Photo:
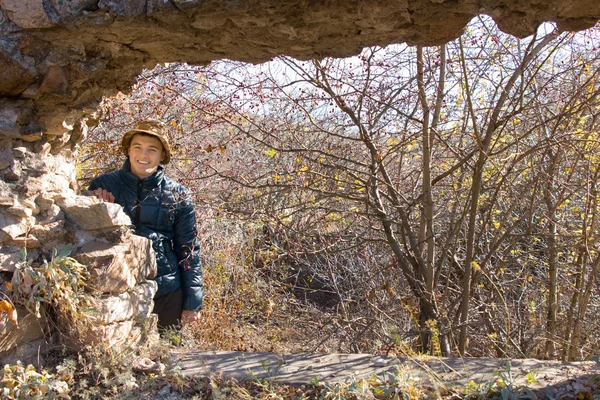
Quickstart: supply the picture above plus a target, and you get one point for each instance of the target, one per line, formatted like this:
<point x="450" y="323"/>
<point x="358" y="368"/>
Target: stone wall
<point x="121" y="266"/>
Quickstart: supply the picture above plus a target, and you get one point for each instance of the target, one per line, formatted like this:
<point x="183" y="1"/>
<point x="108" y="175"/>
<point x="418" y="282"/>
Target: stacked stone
<point x="121" y="266"/>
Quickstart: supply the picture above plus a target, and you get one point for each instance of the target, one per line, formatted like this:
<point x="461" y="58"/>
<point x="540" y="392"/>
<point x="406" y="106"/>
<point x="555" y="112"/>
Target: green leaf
<point x="65" y="252"/>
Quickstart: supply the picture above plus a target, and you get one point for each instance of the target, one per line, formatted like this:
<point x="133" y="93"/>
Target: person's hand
<point x="104" y="195"/>
<point x="188" y="316"/>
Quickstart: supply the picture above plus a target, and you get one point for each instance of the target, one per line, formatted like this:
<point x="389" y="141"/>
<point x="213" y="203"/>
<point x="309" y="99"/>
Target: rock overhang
<point x="59" y="58"/>
<point x="65" y="55"/>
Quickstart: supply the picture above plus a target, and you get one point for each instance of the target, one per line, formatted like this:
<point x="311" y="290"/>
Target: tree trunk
<point x="550" y="350"/>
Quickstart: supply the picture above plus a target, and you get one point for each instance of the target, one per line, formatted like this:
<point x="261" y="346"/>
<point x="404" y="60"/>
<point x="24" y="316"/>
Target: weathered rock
<point x="6" y="201"/>
<point x="55" y="81"/>
<point x="28" y="330"/>
<point x="108" y="271"/>
<point x="14" y="77"/>
<point x="118" y="268"/>
<point x="19" y="152"/>
<point x="141" y="251"/>
<point x="132" y="305"/>
<point x="26" y="14"/>
<point x="27" y="352"/>
<point x="31" y="137"/>
<point x="117" y="335"/>
<point x="13" y="173"/>
<point x="91" y="214"/>
<point x="6" y="157"/>
<point x="13" y="226"/>
<point x="48" y="232"/>
<point x="144" y="293"/>
<point x="35" y="210"/>
<point x="34" y="163"/>
<point x="115" y="308"/>
<point x="44" y="202"/>
<point x="53" y="214"/>
<point x="110" y="335"/>
<point x="9" y="259"/>
<point x="27" y="242"/>
<point x="20" y="211"/>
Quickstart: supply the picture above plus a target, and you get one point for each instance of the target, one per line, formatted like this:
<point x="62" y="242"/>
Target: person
<point x="161" y="210"/>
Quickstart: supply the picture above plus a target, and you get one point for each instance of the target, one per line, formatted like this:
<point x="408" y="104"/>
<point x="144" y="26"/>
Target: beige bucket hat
<point x="150" y="127"/>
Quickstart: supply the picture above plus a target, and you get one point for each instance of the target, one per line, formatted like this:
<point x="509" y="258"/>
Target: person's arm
<point x="187" y="249"/>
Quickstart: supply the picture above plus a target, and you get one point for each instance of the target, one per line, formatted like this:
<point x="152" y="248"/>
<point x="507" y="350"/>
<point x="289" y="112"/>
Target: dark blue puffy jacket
<point x="161" y="210"/>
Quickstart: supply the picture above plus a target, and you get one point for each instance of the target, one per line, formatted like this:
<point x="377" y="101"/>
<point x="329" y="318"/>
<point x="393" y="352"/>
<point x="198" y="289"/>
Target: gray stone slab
<point x="305" y="368"/>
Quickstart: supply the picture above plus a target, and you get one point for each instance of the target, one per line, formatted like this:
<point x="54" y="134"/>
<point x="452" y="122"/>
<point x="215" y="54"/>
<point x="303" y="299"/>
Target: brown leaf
<point x="7" y="307"/>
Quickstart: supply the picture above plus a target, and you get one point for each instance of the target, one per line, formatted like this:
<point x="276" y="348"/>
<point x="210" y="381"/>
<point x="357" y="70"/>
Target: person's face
<point x="145" y="153"/>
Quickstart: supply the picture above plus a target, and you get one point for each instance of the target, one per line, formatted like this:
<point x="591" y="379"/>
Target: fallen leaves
<point x="6" y="307"/>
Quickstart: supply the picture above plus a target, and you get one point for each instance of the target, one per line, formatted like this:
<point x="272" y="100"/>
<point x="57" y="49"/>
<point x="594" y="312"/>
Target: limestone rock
<point x="91" y="214"/>
<point x="118" y="268"/>
<point x="19" y="152"/>
<point x="34" y="163"/>
<point x="9" y="126"/>
<point x="28" y="14"/>
<point x="141" y="251"/>
<point x="13" y="173"/>
<point x="125" y="306"/>
<point x="53" y="214"/>
<point x="9" y="259"/>
<point x="26" y="242"/>
<point x="28" y="330"/>
<point x="50" y="231"/>
<point x="44" y="202"/>
<point x="110" y="335"/>
<point x="115" y="308"/>
<point x="31" y="137"/>
<point x="7" y="201"/>
<point x="20" y="211"/>
<point x="118" y="334"/>
<point x="55" y="81"/>
<point x="35" y="210"/>
<point x="30" y="352"/>
<point x="109" y="273"/>
<point x="14" y="227"/>
<point x="14" y="77"/>
<point x="145" y="292"/>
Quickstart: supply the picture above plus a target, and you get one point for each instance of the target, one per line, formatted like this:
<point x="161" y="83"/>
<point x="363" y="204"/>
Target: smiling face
<point x="145" y="153"/>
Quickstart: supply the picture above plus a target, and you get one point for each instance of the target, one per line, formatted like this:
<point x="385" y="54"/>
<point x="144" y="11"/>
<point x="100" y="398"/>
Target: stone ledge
<point x="303" y="368"/>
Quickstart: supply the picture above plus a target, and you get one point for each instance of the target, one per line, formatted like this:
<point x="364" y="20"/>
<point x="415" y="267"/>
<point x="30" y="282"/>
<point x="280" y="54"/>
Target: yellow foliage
<point x="271" y="152"/>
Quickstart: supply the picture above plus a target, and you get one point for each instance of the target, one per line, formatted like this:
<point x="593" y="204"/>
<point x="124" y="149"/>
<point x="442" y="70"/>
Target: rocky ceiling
<point x="59" y="57"/>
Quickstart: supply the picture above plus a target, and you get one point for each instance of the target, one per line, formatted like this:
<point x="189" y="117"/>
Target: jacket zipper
<point x="139" y="206"/>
